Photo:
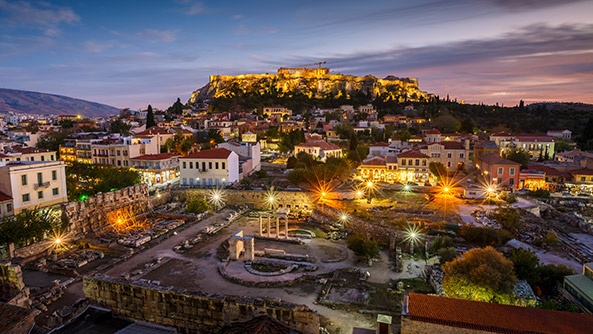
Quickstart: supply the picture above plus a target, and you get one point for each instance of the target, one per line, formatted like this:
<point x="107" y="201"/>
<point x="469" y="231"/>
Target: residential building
<point x="318" y="148"/>
<point x="6" y="206"/>
<point x="249" y="156"/>
<point x="34" y="183"/>
<point x="433" y="136"/>
<point x="68" y="152"/>
<point x="484" y="148"/>
<point x="160" y="134"/>
<point x="453" y="155"/>
<point x="277" y="113"/>
<point x="157" y="169"/>
<point x="582" y="175"/>
<point x="217" y="167"/>
<point x="562" y="134"/>
<point x="579" y="288"/>
<point x="500" y="171"/>
<point x="532" y="179"/>
<point x="19" y="153"/>
<point x="413" y="166"/>
<point x="574" y="157"/>
<point x="380" y="148"/>
<point x="538" y="146"/>
<point x="118" y="151"/>
<point x="434" y="314"/>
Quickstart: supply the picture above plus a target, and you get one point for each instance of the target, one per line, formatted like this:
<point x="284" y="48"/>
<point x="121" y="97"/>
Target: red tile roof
<point x="496" y="159"/>
<point x="28" y="150"/>
<point x="534" y="138"/>
<point x="154" y="130"/>
<point x="380" y="144"/>
<point x="217" y="153"/>
<point x="547" y="169"/>
<point x="322" y="144"/>
<point x="376" y="160"/>
<point x="4" y="197"/>
<point x="160" y="156"/>
<point x="433" y="132"/>
<point x="582" y="171"/>
<point x="496" y="318"/>
<point x="412" y="154"/>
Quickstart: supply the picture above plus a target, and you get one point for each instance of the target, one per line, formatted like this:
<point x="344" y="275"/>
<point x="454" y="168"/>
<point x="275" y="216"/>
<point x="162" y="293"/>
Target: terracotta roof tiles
<point x="217" y="153"/>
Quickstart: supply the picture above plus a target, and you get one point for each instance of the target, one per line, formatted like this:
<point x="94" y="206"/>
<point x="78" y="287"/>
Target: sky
<point x="134" y="53"/>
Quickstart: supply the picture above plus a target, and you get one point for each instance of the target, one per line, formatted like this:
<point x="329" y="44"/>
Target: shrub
<point x="508" y="217"/>
<point x="540" y="193"/>
<point x="507" y="197"/>
<point x="484" y="235"/>
<point x="447" y="254"/>
<point x="197" y="206"/>
<point x="362" y="247"/>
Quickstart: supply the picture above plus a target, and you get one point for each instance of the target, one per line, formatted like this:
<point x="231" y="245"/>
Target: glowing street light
<point x="216" y="198"/>
<point x="407" y="187"/>
<point x="413" y="235"/>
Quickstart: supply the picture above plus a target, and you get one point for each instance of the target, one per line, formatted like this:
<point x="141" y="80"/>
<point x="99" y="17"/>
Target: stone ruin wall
<point x="191" y="312"/>
<point x="296" y="201"/>
<point x="90" y="215"/>
<point x="12" y="288"/>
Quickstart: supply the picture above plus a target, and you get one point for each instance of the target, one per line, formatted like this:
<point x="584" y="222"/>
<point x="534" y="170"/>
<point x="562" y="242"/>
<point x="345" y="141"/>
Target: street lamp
<point x="407" y="187"/>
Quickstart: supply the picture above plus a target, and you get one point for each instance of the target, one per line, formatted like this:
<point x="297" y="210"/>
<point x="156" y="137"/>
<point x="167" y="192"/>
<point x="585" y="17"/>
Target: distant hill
<point x="40" y="103"/>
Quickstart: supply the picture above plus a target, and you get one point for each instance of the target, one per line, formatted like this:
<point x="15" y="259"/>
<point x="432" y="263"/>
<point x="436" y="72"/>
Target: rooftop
<point x="582" y="282"/>
<point x="217" y="153"/>
<point x="496" y="318"/>
<point x="160" y="156"/>
<point x="496" y="159"/>
<point x="4" y="197"/>
<point x="412" y="154"/>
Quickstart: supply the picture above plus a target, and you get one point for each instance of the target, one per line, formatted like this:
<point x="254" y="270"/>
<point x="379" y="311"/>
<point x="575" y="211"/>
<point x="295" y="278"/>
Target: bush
<point x="540" y="193"/>
<point x="551" y="239"/>
<point x="508" y="217"/>
<point x="447" y="254"/>
<point x="197" y="206"/>
<point x="362" y="247"/>
<point x="507" y="197"/>
<point x="441" y="242"/>
<point x="484" y="235"/>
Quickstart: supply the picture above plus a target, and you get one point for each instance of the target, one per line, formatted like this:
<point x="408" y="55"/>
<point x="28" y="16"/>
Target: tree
<point x="562" y="146"/>
<point x="446" y="122"/>
<point x="362" y="247"/>
<point x="509" y="218"/>
<point x="481" y="274"/>
<point x="118" y="126"/>
<point x="437" y="169"/>
<point x="150" y="117"/>
<point x="197" y="206"/>
<point x="526" y="265"/>
<point x="447" y="254"/>
<point x="520" y="156"/>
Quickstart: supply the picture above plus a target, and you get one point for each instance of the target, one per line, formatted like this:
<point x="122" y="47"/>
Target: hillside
<point x="310" y="85"/>
<point x="41" y="103"/>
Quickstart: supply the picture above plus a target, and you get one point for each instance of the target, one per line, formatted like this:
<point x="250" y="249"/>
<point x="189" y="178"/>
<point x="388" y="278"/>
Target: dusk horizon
<point x="480" y="52"/>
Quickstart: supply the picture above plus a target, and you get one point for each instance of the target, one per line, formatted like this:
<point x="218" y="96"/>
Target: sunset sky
<point x="133" y="53"/>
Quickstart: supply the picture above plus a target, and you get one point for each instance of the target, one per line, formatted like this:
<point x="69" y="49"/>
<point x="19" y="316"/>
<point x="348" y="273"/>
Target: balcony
<point x="41" y="185"/>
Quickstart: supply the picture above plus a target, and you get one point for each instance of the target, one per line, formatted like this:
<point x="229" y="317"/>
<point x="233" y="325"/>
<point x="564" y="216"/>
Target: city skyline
<point x="131" y="54"/>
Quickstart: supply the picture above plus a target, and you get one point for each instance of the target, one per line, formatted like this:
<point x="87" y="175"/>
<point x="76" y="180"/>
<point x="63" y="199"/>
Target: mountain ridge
<point x="38" y="103"/>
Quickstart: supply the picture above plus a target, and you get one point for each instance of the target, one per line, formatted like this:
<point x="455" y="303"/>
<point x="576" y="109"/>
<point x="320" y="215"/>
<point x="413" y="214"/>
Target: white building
<point x="319" y="148"/>
<point x="218" y="167"/>
<point x="564" y="134"/>
<point x="118" y="152"/>
<point x="249" y="156"/>
<point x="34" y="183"/>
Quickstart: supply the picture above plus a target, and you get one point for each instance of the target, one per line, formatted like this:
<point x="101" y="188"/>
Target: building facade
<point x="218" y="167"/>
<point x="157" y="169"/>
<point x="496" y="170"/>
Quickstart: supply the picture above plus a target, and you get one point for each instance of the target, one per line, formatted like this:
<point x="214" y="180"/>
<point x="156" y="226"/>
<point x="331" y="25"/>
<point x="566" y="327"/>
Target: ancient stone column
<point x="277" y="227"/>
<point x="249" y="249"/>
<point x="260" y="226"/>
<point x="286" y="227"/>
<point x="268" y="226"/>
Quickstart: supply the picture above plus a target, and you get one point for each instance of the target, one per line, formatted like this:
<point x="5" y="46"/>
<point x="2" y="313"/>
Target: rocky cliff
<point x="316" y="86"/>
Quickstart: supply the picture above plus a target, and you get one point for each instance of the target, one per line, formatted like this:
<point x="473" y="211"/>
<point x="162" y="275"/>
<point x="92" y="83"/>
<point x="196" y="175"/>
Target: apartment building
<point x="118" y="152"/>
<point x="157" y="169"/>
<point x="33" y="184"/>
<point x="218" y="167"/>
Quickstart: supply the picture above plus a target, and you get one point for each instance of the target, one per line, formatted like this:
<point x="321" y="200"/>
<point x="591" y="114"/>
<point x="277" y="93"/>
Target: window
<point x="24" y="180"/>
<point x="118" y="152"/>
<point x="500" y="180"/>
<point x="403" y="162"/>
<point x="500" y="169"/>
<point x="216" y="165"/>
<point x="119" y="162"/>
<point x="40" y="194"/>
<point x="43" y="158"/>
<point x="32" y="158"/>
<point x="39" y="178"/>
<point x="448" y="163"/>
<point x="423" y="162"/>
<point x="55" y="191"/>
<point x="512" y="171"/>
<point x="449" y="155"/>
<point x="583" y="179"/>
<point x="511" y="181"/>
<point x="223" y="165"/>
<point x="191" y="165"/>
<point x="9" y="207"/>
<point x="184" y="179"/>
<point x="54" y="175"/>
<point x="210" y="165"/>
<point x="51" y="157"/>
<point x="184" y="168"/>
<point x="203" y="166"/>
<point x="461" y="155"/>
<point x="26" y="198"/>
<point x="417" y="162"/>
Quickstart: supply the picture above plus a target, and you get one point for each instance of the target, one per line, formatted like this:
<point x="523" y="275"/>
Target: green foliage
<point x="540" y="193"/>
<point x="53" y="140"/>
<point x="150" y="117"/>
<point x="197" y="206"/>
<point x="440" y="242"/>
<point x="509" y="218"/>
<point x="507" y="197"/>
<point x="362" y="247"/>
<point x="215" y="135"/>
<point x="29" y="226"/>
<point x="359" y="154"/>
<point x="526" y="264"/>
<point x="309" y="170"/>
<point x="176" y="108"/>
<point x="87" y="180"/>
<point x="481" y="274"/>
<point x="447" y="254"/>
<point x="118" y="126"/>
<point x="544" y="278"/>
<point x="446" y="122"/>
<point x="520" y="156"/>
<point x="484" y="235"/>
<point x="562" y="146"/>
<point x="551" y="239"/>
<point x="437" y="169"/>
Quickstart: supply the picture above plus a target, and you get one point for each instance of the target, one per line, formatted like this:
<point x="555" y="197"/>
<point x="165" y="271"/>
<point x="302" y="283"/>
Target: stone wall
<point x="12" y="288"/>
<point x="90" y="215"/>
<point x="191" y="312"/>
<point x="296" y="201"/>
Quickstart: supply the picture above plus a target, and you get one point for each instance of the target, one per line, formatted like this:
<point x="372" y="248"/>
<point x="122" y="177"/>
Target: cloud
<point x="45" y="16"/>
<point x="95" y="46"/>
<point x="158" y="35"/>
<point x="237" y="16"/>
<point x="190" y="7"/>
<point x="541" y="61"/>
